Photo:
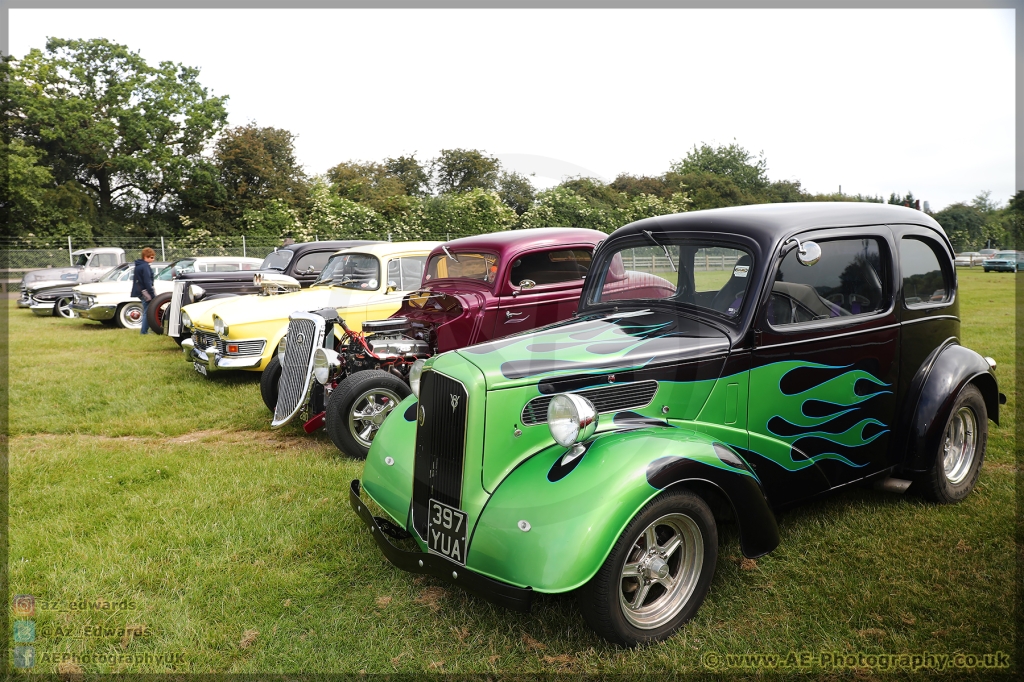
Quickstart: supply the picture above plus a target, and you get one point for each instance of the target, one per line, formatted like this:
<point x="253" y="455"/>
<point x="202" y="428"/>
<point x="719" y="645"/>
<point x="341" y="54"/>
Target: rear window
<point x="278" y="260"/>
<point x="924" y="279"/>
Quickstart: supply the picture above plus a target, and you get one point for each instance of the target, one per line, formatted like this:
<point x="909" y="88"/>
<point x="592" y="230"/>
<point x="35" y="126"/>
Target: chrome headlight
<point x="325" y="363"/>
<point x="219" y="326"/>
<point x="415" y="372"/>
<point x="196" y="292"/>
<point x="186" y="321"/>
<point x="571" y="418"/>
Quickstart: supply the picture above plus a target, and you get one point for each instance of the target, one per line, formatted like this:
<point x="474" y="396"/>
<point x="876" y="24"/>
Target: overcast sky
<point x="877" y="101"/>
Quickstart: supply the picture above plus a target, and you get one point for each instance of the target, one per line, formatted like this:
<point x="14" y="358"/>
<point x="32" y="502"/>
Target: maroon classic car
<point x="474" y="289"/>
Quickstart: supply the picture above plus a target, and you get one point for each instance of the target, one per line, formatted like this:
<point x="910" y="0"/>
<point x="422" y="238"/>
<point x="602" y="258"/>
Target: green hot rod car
<point x="722" y="365"/>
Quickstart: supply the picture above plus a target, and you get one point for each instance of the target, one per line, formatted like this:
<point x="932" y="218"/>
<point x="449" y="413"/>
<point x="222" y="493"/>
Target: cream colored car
<point x="362" y="283"/>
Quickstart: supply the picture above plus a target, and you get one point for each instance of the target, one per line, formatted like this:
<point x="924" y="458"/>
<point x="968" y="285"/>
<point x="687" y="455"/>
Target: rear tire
<point x="657" y="574"/>
<point x="129" y="315"/>
<point x="961" y="450"/>
<point x="62" y="308"/>
<point x="156" y="310"/>
<point x="359" y="405"/>
<point x="269" y="381"/>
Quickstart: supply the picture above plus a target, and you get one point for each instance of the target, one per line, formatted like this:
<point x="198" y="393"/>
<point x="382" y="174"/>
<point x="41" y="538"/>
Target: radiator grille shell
<point x="305" y="334"/>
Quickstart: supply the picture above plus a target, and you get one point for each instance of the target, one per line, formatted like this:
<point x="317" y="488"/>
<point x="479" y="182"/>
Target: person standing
<point x="142" y="283"/>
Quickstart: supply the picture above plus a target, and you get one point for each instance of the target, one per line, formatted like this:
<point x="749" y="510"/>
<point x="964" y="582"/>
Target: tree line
<point x="100" y="145"/>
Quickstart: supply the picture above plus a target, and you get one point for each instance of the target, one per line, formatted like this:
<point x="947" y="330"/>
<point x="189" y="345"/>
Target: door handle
<point x="509" y="314"/>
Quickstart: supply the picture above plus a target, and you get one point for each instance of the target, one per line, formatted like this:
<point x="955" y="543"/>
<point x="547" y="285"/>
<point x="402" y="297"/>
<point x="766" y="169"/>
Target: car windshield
<point x="351" y="271"/>
<point x="708" y="275"/>
<point x="178" y="268"/>
<point x="277" y="260"/>
<point x="479" y="266"/>
<point x="116" y="273"/>
<point x="1006" y="254"/>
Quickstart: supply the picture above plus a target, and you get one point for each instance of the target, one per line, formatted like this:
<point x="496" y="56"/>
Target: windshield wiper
<point x="448" y="253"/>
<point x="667" y="255"/>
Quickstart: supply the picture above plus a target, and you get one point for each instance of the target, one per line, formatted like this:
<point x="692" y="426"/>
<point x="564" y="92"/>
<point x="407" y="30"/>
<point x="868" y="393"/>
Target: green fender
<point x="577" y="511"/>
<point x="390" y="486"/>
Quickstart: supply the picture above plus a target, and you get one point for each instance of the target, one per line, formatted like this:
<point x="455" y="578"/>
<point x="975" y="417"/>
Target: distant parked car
<point x="968" y="259"/>
<point x="1003" y="261"/>
<point x="301" y="262"/>
<point x="89" y="266"/>
<point x="111" y="301"/>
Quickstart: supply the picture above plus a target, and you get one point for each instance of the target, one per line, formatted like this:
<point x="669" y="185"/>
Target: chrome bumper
<point x="95" y="312"/>
<point x="213" y="361"/>
<point x="42" y="309"/>
<point x="23" y="302"/>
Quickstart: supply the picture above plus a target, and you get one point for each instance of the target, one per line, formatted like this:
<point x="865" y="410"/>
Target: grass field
<point x="220" y="545"/>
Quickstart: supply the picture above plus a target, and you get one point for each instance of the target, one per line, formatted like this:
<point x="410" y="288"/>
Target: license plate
<point x="446" y="531"/>
<point x="200" y="368"/>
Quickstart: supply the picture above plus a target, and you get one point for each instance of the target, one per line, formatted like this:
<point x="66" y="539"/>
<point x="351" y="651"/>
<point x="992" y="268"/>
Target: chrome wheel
<point x="661" y="571"/>
<point x="369" y="411"/>
<point x="959" y="445"/>
<point x="64" y="308"/>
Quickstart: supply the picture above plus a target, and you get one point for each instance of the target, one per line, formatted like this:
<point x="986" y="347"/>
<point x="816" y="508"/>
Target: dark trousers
<point x="145" y="317"/>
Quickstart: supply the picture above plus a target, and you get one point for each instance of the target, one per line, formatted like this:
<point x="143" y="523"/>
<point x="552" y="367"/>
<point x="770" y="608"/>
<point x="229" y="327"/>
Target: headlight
<point x="571" y="418"/>
<point x="196" y="292"/>
<point x="325" y="363"/>
<point x="219" y="326"/>
<point x="415" y="372"/>
<point x="186" y="321"/>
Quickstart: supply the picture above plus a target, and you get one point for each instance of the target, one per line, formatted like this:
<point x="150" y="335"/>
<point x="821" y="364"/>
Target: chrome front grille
<point x="440" y="446"/>
<point x="204" y="340"/>
<point x="305" y="334"/>
<point x="174" y="318"/>
<point x="611" y="398"/>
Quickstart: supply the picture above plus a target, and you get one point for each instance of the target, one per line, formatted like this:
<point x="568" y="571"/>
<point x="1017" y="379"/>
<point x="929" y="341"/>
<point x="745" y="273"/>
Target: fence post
<point x="243" y="246"/>
<point x="71" y="259"/>
<point x="163" y="254"/>
<point x="389" y="236"/>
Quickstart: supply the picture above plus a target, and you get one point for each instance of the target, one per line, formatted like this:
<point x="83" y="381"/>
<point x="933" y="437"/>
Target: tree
<point x="125" y="131"/>
<point x="730" y="161"/>
<point x="257" y="165"/>
<point x="516" y="190"/>
<point x="463" y="170"/>
<point x="635" y="185"/>
<point x="410" y="173"/>
<point x="963" y="225"/>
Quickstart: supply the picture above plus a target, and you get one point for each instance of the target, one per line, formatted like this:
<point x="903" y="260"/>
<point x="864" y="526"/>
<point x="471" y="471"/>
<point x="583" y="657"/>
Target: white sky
<point x="874" y="100"/>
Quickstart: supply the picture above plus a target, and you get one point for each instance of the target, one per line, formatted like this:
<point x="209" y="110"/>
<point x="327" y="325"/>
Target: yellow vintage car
<point x="243" y="332"/>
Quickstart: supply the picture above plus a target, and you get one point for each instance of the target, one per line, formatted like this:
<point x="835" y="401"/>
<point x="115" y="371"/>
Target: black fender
<point x="936" y="386"/>
<point x="759" y="531"/>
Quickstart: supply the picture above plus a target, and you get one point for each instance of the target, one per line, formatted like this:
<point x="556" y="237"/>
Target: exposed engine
<point x="383" y="344"/>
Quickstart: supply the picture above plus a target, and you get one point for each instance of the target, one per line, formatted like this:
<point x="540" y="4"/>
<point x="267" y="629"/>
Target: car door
<point x="825" y="368"/>
<point x="541" y="286"/>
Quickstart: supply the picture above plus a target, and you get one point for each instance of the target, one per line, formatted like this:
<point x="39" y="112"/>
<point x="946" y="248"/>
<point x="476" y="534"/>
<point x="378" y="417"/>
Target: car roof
<point x="388" y="248"/>
<point x="772" y="222"/>
<point x="516" y="240"/>
<point x="222" y="259"/>
<point x="332" y="245"/>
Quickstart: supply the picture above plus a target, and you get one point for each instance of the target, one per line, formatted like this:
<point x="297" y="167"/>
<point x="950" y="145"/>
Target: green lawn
<point x="231" y="547"/>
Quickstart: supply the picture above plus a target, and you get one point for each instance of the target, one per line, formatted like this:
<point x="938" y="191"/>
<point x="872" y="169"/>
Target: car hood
<point x="47" y="274"/>
<point x="254" y="308"/>
<point x="595" y="344"/>
<point x="104" y="288"/>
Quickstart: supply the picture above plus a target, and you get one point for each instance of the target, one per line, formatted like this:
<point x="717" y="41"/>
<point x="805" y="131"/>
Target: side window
<point x="406" y="273"/>
<point x="311" y="263"/>
<point x="924" y="280"/>
<point x="550" y="267"/>
<point x="225" y="267"/>
<point x="104" y="260"/>
<point x="127" y="276"/>
<point x="848" y="280"/>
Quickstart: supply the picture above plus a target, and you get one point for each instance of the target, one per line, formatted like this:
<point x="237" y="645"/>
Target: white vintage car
<point x="110" y="301"/>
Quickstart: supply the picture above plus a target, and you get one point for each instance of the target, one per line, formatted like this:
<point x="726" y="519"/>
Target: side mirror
<point x="527" y="284"/>
<point x="808" y="253"/>
<point x="392" y="287"/>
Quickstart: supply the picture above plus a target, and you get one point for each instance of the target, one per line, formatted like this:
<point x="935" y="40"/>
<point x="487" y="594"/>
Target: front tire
<point x="156" y="311"/>
<point x="269" y="381"/>
<point x="657" y="574"/>
<point x="129" y="315"/>
<point x="62" y="308"/>
<point x="961" y="450"/>
<point x="358" y="406"/>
